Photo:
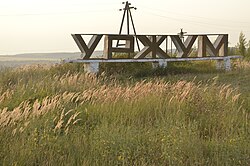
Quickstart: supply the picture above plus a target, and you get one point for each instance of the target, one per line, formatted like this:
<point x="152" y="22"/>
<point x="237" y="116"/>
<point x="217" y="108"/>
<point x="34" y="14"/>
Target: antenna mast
<point x="127" y="13"/>
<point x="181" y="34"/>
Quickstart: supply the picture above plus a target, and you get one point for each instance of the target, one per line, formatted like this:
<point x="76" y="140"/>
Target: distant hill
<point x="55" y="56"/>
<point x="40" y="58"/>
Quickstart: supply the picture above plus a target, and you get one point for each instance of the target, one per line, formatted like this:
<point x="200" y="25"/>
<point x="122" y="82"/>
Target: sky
<point x="30" y="26"/>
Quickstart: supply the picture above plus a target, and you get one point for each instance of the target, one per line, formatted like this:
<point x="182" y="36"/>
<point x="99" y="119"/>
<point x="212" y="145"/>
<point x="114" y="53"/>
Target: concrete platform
<point x="92" y="65"/>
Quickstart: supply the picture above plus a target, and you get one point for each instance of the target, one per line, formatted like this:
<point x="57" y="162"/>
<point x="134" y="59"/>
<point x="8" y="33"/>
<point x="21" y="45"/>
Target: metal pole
<point x="123" y="17"/>
<point x="120" y="32"/>
<point x="137" y="42"/>
<point x="127" y="8"/>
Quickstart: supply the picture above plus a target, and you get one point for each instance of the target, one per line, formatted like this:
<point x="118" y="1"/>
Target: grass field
<point x="187" y="114"/>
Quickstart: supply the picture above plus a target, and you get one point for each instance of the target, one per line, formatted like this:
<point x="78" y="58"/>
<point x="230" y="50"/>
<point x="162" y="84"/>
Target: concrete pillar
<point x="155" y="65"/>
<point x="161" y="64"/>
<point x="224" y="64"/>
<point x="91" y="67"/>
<point x="227" y="64"/>
<point x="219" y="64"/>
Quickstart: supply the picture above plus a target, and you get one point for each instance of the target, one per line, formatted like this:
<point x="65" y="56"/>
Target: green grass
<point x="187" y="114"/>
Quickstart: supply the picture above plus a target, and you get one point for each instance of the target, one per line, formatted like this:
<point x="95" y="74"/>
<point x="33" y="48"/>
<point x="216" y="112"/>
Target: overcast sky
<point x="28" y="26"/>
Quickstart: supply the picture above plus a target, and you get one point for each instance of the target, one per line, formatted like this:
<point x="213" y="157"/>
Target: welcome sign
<point x="152" y="45"/>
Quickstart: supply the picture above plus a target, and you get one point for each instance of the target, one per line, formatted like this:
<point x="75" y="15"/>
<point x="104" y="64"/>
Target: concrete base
<point x="219" y="64"/>
<point x="227" y="64"/>
<point x="224" y="64"/>
<point x="92" y="67"/>
<point x="161" y="64"/>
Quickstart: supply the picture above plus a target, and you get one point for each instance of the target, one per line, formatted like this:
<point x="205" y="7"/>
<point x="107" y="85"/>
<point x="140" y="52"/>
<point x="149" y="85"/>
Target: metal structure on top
<point x="127" y="13"/>
<point x="155" y="47"/>
<point x="181" y="34"/>
<point x="187" y="47"/>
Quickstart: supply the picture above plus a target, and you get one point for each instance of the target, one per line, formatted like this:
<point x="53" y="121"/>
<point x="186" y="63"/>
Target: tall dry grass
<point x="241" y="64"/>
<point x="50" y="117"/>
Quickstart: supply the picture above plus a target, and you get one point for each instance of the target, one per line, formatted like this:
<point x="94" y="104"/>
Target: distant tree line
<point x="242" y="47"/>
